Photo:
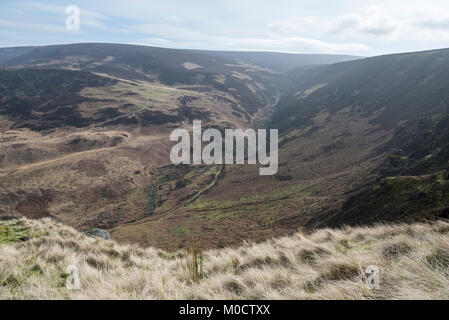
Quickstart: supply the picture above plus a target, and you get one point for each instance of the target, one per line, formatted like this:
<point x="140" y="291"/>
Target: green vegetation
<point x="258" y="199"/>
<point x="413" y="181"/>
<point x="420" y="146"/>
<point x="411" y="198"/>
<point x="221" y="78"/>
<point x="15" y="231"/>
<point x="158" y="93"/>
<point x="152" y="194"/>
<point x="349" y="116"/>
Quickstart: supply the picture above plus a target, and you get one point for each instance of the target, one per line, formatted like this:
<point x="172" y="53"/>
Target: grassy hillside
<point x="254" y="78"/>
<point x="46" y="99"/>
<point x="419" y="146"/>
<point x="84" y="135"/>
<point x="280" y="62"/>
<point x="43" y="99"/>
<point x="7" y="54"/>
<point x="328" y="264"/>
<point x="84" y="128"/>
<point x="388" y="89"/>
<point x="89" y="146"/>
<point x="253" y="87"/>
<point x="410" y="185"/>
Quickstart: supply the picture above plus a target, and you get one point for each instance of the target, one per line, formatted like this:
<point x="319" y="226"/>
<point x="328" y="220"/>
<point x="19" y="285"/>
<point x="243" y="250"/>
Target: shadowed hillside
<point x="281" y="62"/>
<point x="412" y="183"/>
<point x="389" y="89"/>
<point x="46" y="99"/>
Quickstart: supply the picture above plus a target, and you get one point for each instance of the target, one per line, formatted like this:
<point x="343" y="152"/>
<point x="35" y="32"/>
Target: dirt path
<point x="50" y="161"/>
<point x="74" y="155"/>
<point x="141" y="84"/>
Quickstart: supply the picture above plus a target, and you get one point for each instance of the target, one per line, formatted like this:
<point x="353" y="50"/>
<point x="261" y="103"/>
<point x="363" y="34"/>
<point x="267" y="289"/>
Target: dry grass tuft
<point x="327" y="264"/>
<point x="194" y="262"/>
<point x="394" y="250"/>
<point x="439" y="258"/>
<point x="340" y="271"/>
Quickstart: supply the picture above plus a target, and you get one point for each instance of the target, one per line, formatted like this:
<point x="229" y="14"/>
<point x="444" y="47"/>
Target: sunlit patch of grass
<point x="15" y="231"/>
<point x="257" y="200"/>
<point x="221" y="78"/>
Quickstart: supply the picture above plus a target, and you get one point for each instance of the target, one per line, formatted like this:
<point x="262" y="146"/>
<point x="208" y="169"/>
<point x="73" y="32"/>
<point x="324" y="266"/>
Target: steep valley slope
<point x="353" y="136"/>
<point x="85" y="127"/>
<point x="84" y="139"/>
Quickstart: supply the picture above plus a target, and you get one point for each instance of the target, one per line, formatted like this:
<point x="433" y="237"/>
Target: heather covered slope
<point x="84" y="128"/>
<point x="253" y="86"/>
<point x="83" y="147"/>
<point x="168" y="58"/>
<point x="89" y="146"/>
<point x="7" y="54"/>
<point x="280" y="62"/>
<point x="412" y="183"/>
<point x="47" y="99"/>
<point x="84" y="133"/>
<point x="254" y="78"/>
<point x="388" y="89"/>
<point x="327" y="264"/>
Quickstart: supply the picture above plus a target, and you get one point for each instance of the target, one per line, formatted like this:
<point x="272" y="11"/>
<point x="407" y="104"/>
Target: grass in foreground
<point x="327" y="264"/>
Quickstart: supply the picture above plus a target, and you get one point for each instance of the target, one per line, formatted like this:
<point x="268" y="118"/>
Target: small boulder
<point x="99" y="233"/>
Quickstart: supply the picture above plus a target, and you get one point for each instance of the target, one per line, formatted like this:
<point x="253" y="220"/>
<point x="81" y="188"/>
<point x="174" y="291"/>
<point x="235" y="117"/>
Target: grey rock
<point x="99" y="233"/>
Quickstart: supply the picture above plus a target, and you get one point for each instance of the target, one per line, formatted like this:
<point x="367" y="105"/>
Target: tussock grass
<point x="194" y="262"/>
<point x="327" y="264"/>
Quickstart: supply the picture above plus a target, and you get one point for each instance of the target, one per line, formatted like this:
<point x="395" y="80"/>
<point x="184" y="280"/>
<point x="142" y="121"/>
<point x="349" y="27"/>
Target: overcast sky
<point x="357" y="27"/>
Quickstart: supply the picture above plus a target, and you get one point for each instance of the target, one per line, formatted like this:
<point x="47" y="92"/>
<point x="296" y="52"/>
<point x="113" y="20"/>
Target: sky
<point x="357" y="27"/>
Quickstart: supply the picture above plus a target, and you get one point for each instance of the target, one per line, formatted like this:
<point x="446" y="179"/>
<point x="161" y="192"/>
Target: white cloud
<point x="174" y="19"/>
<point x="159" y="34"/>
<point x="24" y="26"/>
<point x="376" y="25"/>
<point x="60" y="9"/>
<point x="158" y="42"/>
<point x="349" y="26"/>
<point x="433" y="21"/>
<point x="88" y="18"/>
<point x="294" y="44"/>
<point x="294" y="27"/>
<point x="165" y="31"/>
<point x="167" y="36"/>
<point x="369" y="22"/>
